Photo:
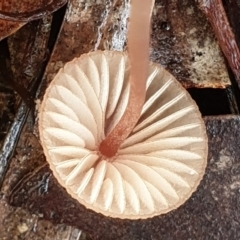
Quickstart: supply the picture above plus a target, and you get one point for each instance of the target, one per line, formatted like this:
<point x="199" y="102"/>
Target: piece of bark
<point x="232" y="9"/>
<point x="212" y="211"/>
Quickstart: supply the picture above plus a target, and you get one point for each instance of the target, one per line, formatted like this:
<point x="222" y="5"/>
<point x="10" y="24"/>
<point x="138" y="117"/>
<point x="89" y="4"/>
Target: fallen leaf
<point x="14" y="14"/>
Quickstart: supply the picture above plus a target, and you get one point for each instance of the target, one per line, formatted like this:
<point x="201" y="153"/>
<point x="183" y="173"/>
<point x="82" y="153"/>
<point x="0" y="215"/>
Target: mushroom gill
<point x="156" y="168"/>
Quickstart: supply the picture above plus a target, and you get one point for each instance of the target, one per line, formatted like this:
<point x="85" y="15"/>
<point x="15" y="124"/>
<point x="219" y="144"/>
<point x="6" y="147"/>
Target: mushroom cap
<point x="157" y="167"/>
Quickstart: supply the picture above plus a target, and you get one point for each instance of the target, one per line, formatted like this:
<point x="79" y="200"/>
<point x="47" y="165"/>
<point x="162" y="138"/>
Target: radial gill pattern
<point x="156" y="168"/>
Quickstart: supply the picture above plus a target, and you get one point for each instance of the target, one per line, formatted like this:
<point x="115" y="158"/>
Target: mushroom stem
<point x="138" y="44"/>
<point x="216" y="15"/>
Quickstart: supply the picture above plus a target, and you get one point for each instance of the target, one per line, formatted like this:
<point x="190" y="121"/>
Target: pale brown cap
<point x="157" y="167"/>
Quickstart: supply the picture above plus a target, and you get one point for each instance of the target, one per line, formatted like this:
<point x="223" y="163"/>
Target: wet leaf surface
<point x="8" y="27"/>
<point x="14" y="14"/>
<point x="28" y="10"/>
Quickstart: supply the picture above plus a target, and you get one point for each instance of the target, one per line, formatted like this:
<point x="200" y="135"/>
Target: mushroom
<point x="158" y="163"/>
<point x="156" y="168"/>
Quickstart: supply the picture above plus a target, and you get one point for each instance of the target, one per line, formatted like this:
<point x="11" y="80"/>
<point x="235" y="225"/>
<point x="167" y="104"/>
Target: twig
<point x="216" y="15"/>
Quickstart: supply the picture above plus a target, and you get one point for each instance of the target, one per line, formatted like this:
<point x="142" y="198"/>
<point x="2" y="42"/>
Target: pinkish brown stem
<point x="138" y="44"/>
<point x="216" y="15"/>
